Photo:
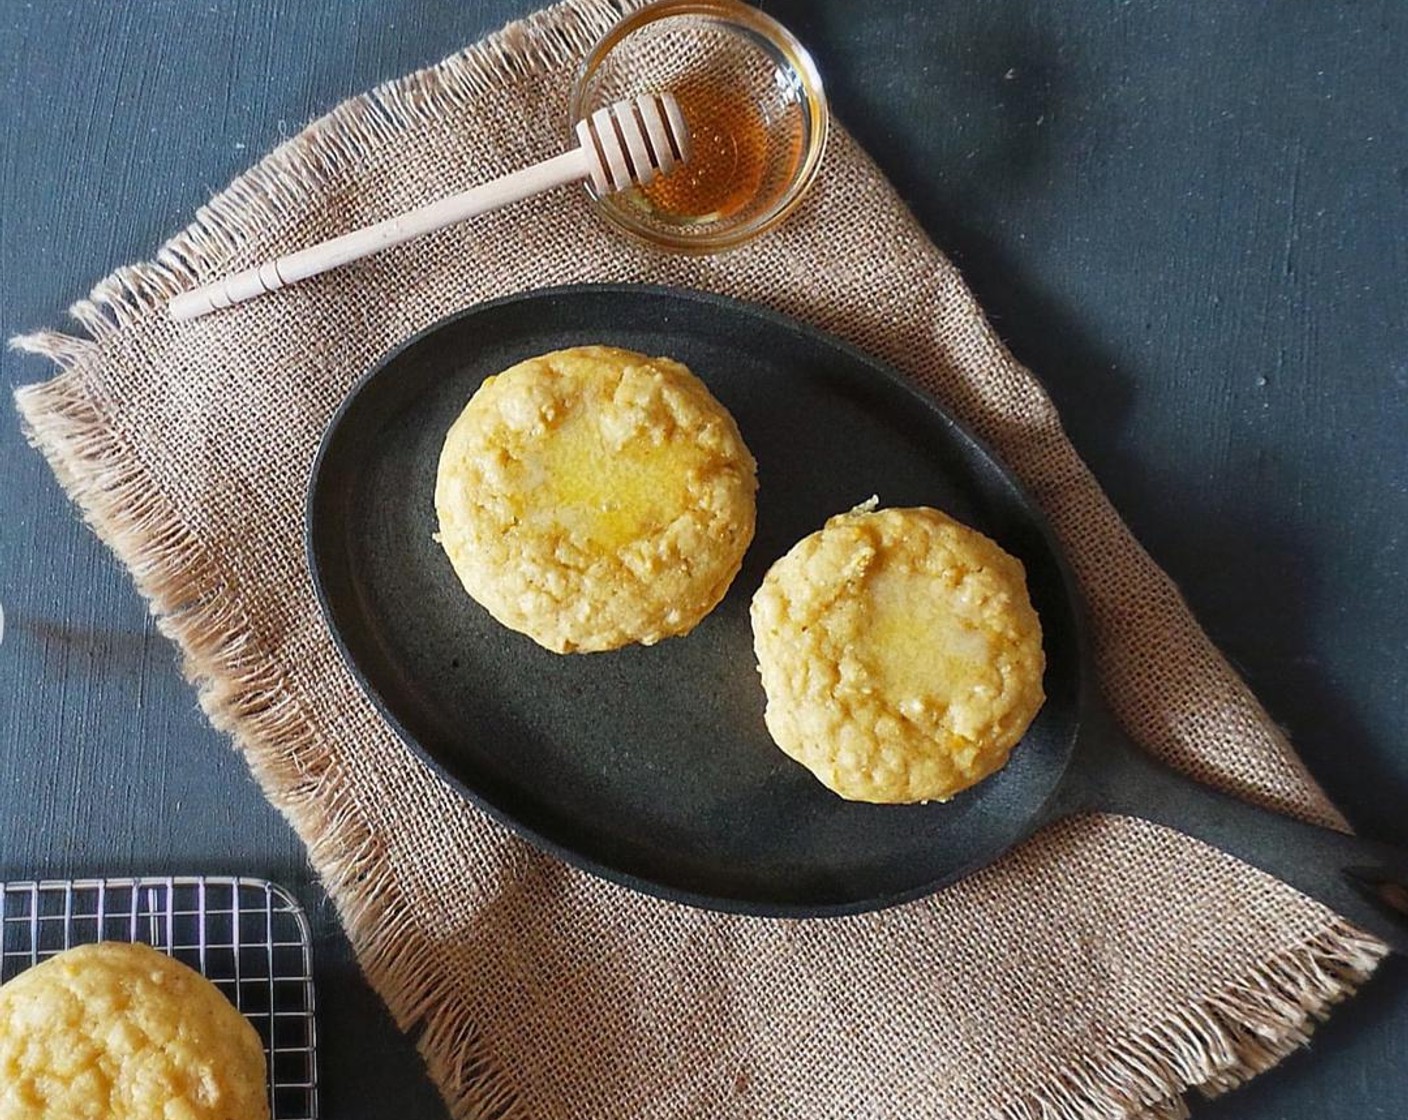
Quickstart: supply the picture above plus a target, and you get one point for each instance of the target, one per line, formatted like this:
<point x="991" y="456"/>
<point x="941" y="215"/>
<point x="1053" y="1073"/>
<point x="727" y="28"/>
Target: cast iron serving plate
<point x="652" y="767"/>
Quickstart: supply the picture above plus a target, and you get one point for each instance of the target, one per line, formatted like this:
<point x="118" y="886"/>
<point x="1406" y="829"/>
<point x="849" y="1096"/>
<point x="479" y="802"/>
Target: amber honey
<point x="736" y="154"/>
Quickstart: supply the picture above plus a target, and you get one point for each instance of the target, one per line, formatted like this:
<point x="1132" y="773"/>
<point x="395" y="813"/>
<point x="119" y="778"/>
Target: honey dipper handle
<point x="300" y="265"/>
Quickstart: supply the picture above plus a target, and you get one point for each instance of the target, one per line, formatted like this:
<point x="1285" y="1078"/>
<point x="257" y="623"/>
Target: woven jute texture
<point x="1102" y="969"/>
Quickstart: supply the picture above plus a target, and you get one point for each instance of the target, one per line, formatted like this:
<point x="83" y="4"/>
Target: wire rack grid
<point x="249" y="937"/>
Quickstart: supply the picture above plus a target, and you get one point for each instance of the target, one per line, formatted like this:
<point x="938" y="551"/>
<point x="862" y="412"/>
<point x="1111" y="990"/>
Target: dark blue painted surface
<point x="1191" y="221"/>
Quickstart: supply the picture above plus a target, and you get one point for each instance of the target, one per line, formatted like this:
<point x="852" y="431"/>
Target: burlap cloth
<point x="1102" y="969"/>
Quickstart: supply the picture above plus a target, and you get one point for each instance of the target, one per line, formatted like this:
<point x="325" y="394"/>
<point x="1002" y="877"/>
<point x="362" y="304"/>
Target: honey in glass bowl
<point x="755" y="110"/>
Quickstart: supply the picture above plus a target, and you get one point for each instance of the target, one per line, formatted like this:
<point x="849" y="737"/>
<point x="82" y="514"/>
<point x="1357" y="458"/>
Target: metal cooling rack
<point x="248" y="937"/>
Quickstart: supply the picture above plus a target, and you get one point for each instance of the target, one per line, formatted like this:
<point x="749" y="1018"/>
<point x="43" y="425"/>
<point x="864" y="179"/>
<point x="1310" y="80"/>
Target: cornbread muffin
<point x="594" y="497"/>
<point x="124" y="1032"/>
<point x="900" y="654"/>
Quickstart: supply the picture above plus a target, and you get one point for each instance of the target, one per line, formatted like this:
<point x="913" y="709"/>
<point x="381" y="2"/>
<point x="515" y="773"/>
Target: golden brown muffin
<point x="900" y="654"/>
<point x="123" y="1032"/>
<point x="595" y="497"/>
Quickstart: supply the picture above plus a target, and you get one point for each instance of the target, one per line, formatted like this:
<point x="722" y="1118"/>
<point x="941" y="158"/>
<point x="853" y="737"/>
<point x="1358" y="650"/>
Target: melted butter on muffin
<point x="609" y="489"/>
<point x="900" y="654"/>
<point x="595" y="497"/>
<point x="923" y="646"/>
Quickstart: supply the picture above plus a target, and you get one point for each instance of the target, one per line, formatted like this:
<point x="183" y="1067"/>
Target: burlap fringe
<point x="196" y="607"/>
<point x="1213" y="1046"/>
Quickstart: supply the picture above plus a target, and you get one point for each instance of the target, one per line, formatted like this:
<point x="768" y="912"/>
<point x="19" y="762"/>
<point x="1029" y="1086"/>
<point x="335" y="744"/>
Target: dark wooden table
<point x="1191" y="220"/>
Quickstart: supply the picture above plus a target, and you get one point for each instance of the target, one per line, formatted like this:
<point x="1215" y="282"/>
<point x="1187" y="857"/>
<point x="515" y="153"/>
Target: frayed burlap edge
<point x="196" y="606"/>
<point x="1215" y="1044"/>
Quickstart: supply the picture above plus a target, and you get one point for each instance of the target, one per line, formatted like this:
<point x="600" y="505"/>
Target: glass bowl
<point x="755" y="107"/>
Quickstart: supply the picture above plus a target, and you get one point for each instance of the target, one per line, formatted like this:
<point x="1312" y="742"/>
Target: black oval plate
<point x="652" y="767"/>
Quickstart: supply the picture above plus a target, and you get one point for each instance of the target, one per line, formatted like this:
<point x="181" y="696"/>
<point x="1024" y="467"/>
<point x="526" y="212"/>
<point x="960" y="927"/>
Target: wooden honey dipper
<point x="621" y="145"/>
